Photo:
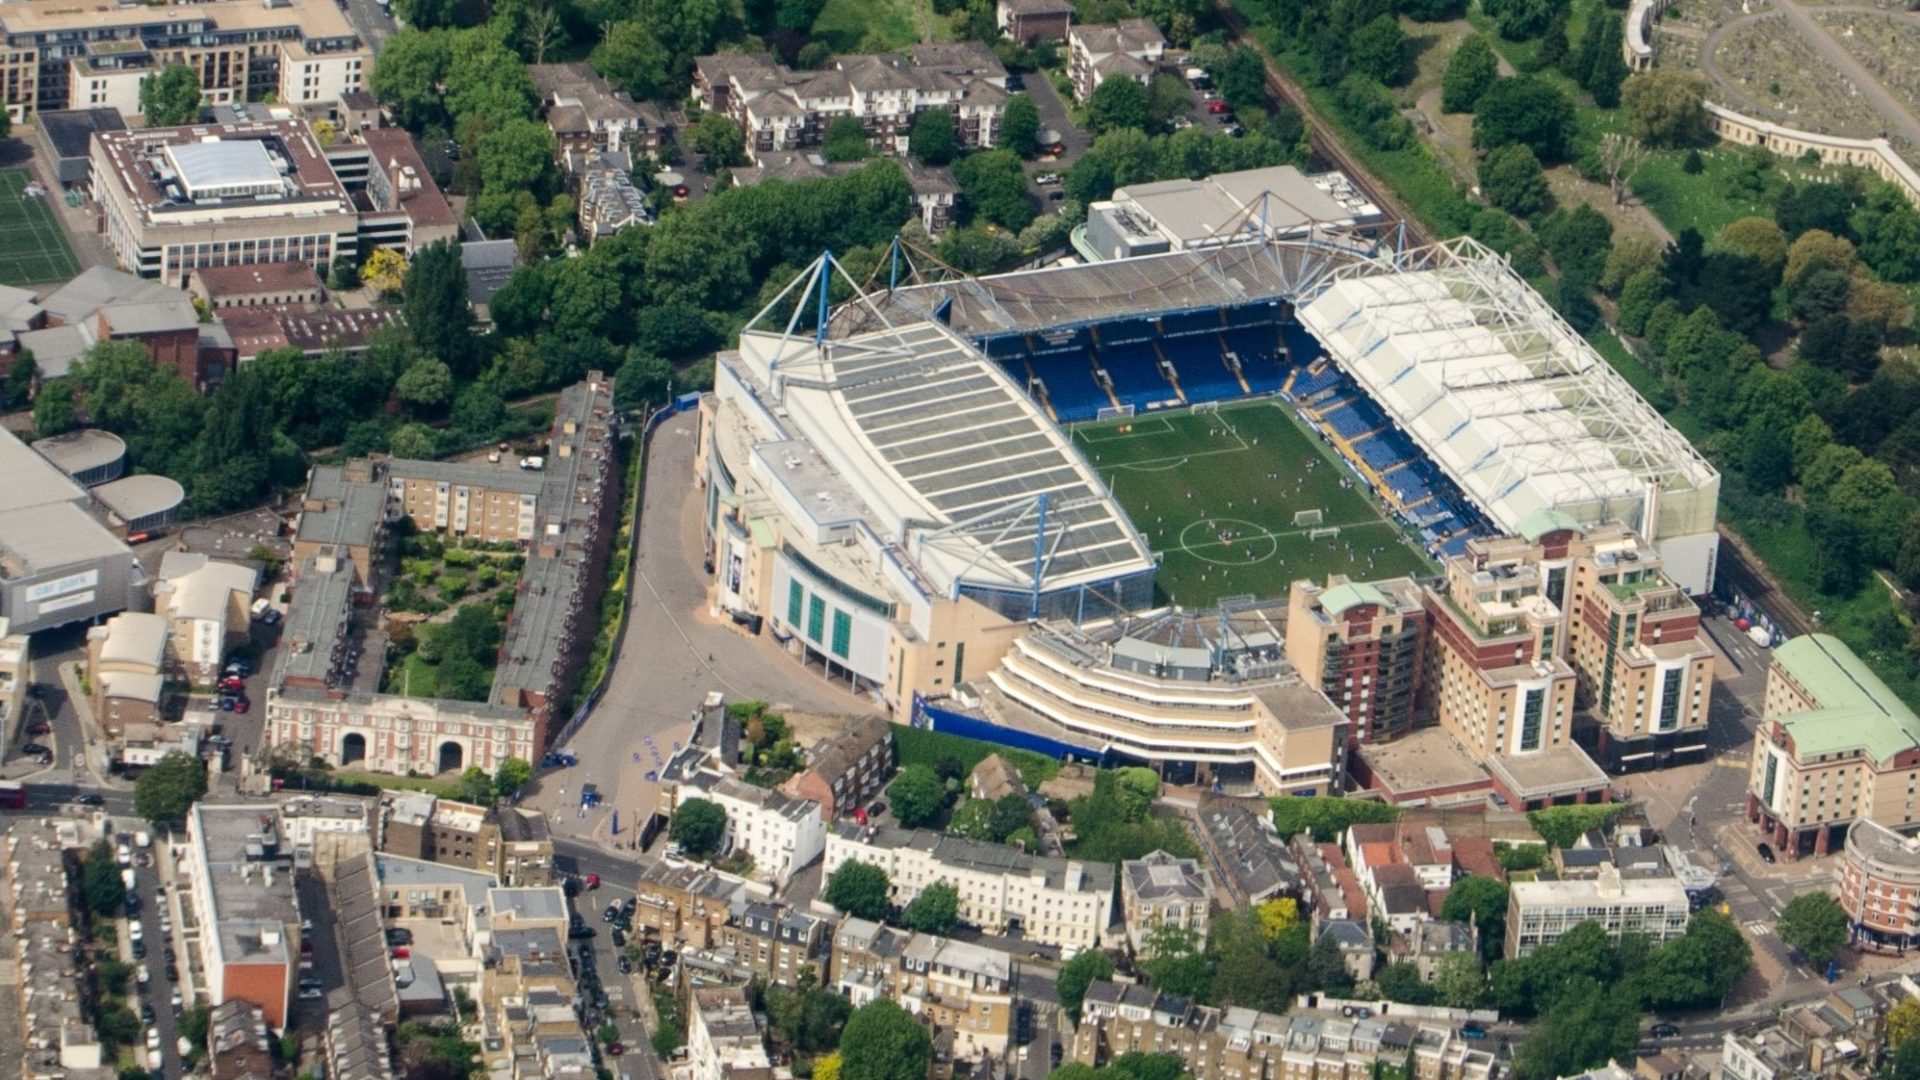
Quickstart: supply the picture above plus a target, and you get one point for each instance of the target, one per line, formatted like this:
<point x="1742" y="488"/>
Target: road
<point x="625" y="993"/>
<point x="674" y="654"/>
<point x="156" y="992"/>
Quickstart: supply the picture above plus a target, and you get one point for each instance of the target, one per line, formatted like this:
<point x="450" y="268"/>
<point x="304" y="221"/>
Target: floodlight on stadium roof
<point x="956" y="469"/>
<point x="1516" y="407"/>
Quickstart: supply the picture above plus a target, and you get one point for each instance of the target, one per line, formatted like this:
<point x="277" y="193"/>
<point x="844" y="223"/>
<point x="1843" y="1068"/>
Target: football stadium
<point x="899" y="484"/>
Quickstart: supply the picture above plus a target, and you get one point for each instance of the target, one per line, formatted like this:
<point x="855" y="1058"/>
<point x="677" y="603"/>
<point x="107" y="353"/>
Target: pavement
<point x="675" y="652"/>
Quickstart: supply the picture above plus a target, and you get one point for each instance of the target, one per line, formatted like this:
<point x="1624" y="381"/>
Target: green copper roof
<point x="1543" y="521"/>
<point x="1857" y="711"/>
<point x="1352" y="593"/>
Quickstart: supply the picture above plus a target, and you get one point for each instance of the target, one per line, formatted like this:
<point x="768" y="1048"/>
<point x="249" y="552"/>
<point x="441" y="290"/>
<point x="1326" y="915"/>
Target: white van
<point x="143" y="840"/>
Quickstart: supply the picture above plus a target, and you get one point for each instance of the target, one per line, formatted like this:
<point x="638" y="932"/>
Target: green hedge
<point x="918" y="746"/>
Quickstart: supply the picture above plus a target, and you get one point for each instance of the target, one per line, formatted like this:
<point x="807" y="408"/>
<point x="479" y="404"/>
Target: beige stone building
<point x="511" y="844"/>
<point x="1201" y="697"/>
<point x="206" y="602"/>
<point x="478" y="500"/>
<point x="127" y="669"/>
<point x="967" y="990"/>
<point x="726" y="1039"/>
<point x="1164" y="890"/>
<point x="687" y="904"/>
<point x="1834" y="744"/>
<point x="1363" y="645"/>
<point x="61" y="55"/>
<point x="1241" y="1044"/>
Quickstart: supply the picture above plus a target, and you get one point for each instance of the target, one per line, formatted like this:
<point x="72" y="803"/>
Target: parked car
<point x="233" y="682"/>
<point x="153" y="1038"/>
<point x="1766" y="851"/>
<point x="39" y="727"/>
<point x="34" y="749"/>
<point x="1047" y="179"/>
<point x="90" y="798"/>
<point x="311" y="993"/>
<point x="616" y="1049"/>
<point x="241" y="705"/>
<point x="626" y="965"/>
<point x="1218" y="107"/>
<point x="143" y="975"/>
<point x="1665" y="1031"/>
<point x="139" y="949"/>
<point x="146" y="1012"/>
<point x="1472" y="1031"/>
<point x="593" y="880"/>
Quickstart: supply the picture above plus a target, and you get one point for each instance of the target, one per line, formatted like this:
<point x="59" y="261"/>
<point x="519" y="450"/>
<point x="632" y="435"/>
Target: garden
<point x="442" y="655"/>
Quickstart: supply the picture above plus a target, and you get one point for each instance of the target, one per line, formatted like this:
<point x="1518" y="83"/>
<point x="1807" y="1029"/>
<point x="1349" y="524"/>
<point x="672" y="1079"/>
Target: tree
<point x="1586" y="1027"/>
<point x="100" y="882"/>
<point x="1481" y="902"/>
<point x="1579" y="239"/>
<point x="54" y="411"/>
<point x="512" y="775"/>
<point x="168" y="787"/>
<point x="475" y="786"/>
<point x="994" y="187"/>
<point x="1327" y="966"/>
<point x="1620" y="156"/>
<point x="1665" y="106"/>
<point x="846" y="140"/>
<point x="1459" y="981"/>
<point x="1889" y="230"/>
<point x="1241" y="77"/>
<point x="1020" y="125"/>
<point x="1816" y="205"/>
<point x="516" y="155"/>
<point x="797" y="15"/>
<point x="1699" y="968"/>
<point x="1325" y="816"/>
<point x="932" y="139"/>
<point x="1759" y="237"/>
<point x="882" y="1041"/>
<point x="1470" y="71"/>
<point x="918" y="796"/>
<point x="631" y="58"/>
<point x="827" y="1066"/>
<point x="1814" y="923"/>
<point x="1117" y="103"/>
<point x="1903" y="1023"/>
<point x="1511" y="179"/>
<point x="1087" y="967"/>
<point x="1603" y="67"/>
<point x="1520" y="20"/>
<point x="1174" y="962"/>
<point x="642" y="380"/>
<point x="385" y="271"/>
<point x="699" y="826"/>
<point x="718" y="140"/>
<point x="861" y="890"/>
<point x="1525" y="109"/>
<point x="435" y="302"/>
<point x="21" y="375"/>
<point x="1562" y="826"/>
<point x="407" y="75"/>
<point x="1816" y="250"/>
<point x="1379" y="49"/>
<point x="1277" y="916"/>
<point x="170" y="98"/>
<point x="1402" y="982"/>
<point x="425" y="386"/>
<point x="935" y="911"/>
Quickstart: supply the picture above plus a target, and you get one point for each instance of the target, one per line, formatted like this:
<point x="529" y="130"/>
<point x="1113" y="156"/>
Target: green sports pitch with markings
<point x="1227" y="498"/>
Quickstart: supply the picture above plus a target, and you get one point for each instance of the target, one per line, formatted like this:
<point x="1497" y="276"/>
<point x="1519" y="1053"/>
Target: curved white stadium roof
<point x="1517" y="408"/>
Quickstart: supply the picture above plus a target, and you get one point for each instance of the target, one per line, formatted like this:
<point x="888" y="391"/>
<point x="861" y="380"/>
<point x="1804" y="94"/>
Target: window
<point x="816" y="617"/>
<point x="795" y="594"/>
<point x="842" y="633"/>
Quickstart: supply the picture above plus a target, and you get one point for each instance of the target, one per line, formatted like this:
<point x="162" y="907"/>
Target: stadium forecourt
<point x="891" y="495"/>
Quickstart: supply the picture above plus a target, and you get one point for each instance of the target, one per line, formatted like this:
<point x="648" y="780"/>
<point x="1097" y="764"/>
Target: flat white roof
<point x="1519" y="410"/>
<point x="934" y="445"/>
<point x="224" y="165"/>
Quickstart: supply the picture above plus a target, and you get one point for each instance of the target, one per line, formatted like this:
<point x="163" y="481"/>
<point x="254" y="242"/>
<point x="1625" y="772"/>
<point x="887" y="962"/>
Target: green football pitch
<point x="33" y="249"/>
<point x="1215" y="495"/>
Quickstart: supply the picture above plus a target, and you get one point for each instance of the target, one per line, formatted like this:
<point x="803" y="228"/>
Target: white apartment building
<point x="1540" y="911"/>
<point x="1060" y="902"/>
<point x="304" y="817"/>
<point x="780" y="833"/>
<point x="207" y="602"/>
<point x="1128" y="49"/>
<point x="724" y="1039"/>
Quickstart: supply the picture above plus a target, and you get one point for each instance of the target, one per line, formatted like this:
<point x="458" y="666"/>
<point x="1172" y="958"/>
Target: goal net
<point x="1328" y="533"/>
<point x="1207" y="407"/>
<point x="1304" y="518"/>
<point x="1114" y="412"/>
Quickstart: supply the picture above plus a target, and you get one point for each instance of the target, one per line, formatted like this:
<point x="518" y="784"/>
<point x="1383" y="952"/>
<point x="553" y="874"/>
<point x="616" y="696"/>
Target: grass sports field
<point x="33" y="249"/>
<point x="1215" y="495"/>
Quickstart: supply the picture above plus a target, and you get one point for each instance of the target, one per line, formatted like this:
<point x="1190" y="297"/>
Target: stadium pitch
<point x="1217" y="496"/>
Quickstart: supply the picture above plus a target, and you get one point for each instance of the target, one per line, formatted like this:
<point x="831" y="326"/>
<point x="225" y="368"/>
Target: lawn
<point x="33" y="248"/>
<point x="845" y="24"/>
<point x="1215" y="495"/>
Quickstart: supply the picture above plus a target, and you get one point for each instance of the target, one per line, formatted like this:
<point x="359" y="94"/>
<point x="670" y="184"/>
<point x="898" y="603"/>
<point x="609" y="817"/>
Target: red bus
<point x="13" y="795"/>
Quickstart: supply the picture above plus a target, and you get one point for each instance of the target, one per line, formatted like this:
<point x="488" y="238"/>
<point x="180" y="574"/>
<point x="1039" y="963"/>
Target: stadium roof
<point x="1517" y="408"/>
<point x="1058" y="298"/>
<point x="941" y="452"/>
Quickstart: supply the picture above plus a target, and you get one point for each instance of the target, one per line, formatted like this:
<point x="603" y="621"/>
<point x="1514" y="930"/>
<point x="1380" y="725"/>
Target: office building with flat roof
<point x="173" y="200"/>
<point x="240" y="881"/>
<point x="1653" y="905"/>
<point x="58" y="563"/>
